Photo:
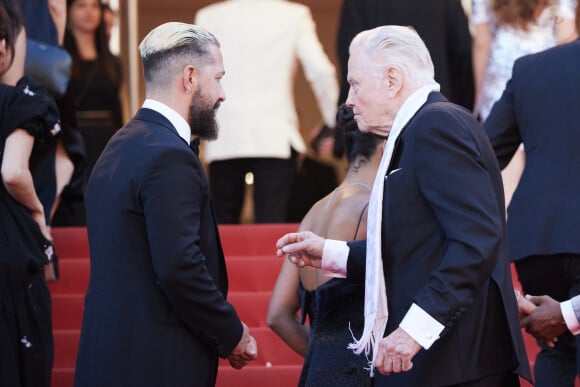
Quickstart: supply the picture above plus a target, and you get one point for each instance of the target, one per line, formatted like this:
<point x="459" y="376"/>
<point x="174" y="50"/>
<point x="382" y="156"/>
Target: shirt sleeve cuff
<point x="570" y="317"/>
<point x="334" y="258"/>
<point x="423" y="328"/>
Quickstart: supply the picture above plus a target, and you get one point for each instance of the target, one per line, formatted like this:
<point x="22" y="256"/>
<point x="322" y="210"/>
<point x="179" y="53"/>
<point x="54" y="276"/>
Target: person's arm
<point x="480" y="54"/>
<point x="284" y="304"/>
<point x="318" y="69"/>
<point x="64" y="169"/>
<point x="173" y="220"/>
<point x="57" y="9"/>
<point x="16" y="70"/>
<point x="17" y="178"/>
<point x="469" y="218"/>
<point x="501" y="124"/>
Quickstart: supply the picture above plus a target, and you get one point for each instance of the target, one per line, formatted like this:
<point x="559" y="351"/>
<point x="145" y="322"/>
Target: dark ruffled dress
<point x="26" y="343"/>
<point x="332" y="308"/>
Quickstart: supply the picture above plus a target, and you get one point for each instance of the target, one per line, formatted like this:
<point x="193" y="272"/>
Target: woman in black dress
<point x="334" y="306"/>
<point x="28" y="126"/>
<point x="95" y="85"/>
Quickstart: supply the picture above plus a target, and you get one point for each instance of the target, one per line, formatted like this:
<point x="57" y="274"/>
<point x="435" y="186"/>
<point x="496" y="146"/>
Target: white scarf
<point x="376" y="312"/>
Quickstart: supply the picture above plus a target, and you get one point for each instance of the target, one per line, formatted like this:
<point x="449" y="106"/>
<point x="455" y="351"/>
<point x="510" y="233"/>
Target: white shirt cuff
<point x="423" y="328"/>
<point x="334" y="258"/>
<point x="570" y="317"/>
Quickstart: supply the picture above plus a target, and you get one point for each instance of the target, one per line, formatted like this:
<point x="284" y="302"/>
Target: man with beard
<point x="155" y="311"/>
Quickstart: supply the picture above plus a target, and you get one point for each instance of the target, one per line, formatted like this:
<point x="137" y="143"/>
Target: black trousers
<point x="559" y="277"/>
<point x="273" y="179"/>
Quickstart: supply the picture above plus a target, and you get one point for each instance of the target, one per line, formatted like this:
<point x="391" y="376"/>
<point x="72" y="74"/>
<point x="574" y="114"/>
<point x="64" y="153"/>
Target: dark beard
<point x="202" y="120"/>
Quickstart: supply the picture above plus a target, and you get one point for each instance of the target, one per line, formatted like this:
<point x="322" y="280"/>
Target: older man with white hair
<point x="437" y="278"/>
<point x="155" y="311"/>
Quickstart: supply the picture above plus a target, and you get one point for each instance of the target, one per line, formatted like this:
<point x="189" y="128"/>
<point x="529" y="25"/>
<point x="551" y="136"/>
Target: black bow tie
<point x="194" y="145"/>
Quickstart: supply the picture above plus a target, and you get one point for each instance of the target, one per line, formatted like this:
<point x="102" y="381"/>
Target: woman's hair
<point x="105" y="57"/>
<point x="10" y="24"/>
<point x="517" y="13"/>
<point x="356" y="142"/>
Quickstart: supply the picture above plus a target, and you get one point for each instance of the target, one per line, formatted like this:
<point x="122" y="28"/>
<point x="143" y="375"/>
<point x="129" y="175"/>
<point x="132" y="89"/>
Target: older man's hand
<point x="302" y="248"/>
<point x="396" y="352"/>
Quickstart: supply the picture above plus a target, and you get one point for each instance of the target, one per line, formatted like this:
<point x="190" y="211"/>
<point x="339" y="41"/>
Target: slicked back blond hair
<point x="170" y="47"/>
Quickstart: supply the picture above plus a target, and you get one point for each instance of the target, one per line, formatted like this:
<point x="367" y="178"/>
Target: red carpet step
<point x="252" y="269"/>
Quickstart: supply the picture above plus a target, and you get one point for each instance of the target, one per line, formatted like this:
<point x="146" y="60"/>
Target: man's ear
<point x="189" y="79"/>
<point x="394" y="80"/>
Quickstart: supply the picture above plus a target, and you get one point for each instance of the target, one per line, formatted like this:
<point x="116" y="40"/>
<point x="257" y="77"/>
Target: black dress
<point x="98" y="115"/>
<point x="26" y="344"/>
<point x="335" y="309"/>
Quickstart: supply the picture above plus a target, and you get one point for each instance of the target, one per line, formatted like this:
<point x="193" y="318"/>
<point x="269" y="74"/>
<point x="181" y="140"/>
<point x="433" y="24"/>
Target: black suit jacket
<point x="541" y="108"/>
<point x="155" y="310"/>
<point x="444" y="249"/>
<point x="443" y="26"/>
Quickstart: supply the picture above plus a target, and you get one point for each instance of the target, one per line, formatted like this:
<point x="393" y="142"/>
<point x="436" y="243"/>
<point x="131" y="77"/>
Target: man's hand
<point x="396" y="352"/>
<point x="245" y="351"/>
<point x="546" y="322"/>
<point x="525" y="306"/>
<point x="302" y="248"/>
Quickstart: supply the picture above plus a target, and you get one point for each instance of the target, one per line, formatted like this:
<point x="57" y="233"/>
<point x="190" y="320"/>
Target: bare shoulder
<point x="349" y="214"/>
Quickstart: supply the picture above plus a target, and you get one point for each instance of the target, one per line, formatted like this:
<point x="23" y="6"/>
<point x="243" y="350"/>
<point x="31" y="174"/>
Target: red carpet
<point x="252" y="268"/>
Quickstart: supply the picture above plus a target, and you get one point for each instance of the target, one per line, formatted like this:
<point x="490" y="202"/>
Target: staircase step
<point x="70" y="242"/>
<point x="74" y="276"/>
<point x="271" y="349"/>
<point x="250" y="376"/>
<point x="253" y="239"/>
<point x="257" y="273"/>
<point x="256" y="376"/>
<point x="248" y="239"/>
<point x="252" y="307"/>
<point x="67" y="311"/>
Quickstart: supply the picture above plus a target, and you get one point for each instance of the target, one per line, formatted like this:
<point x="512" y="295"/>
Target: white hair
<point x="401" y="47"/>
<point x="170" y="46"/>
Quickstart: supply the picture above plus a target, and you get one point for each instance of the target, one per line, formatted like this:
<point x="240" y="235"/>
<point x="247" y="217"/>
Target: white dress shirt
<point x="570" y="311"/>
<point x="174" y="117"/>
<point x="261" y="42"/>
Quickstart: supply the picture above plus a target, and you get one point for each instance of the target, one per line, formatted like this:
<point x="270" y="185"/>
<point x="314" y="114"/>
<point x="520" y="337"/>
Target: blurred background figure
<point x="96" y="85"/>
<point x="45" y="22"/>
<point x="109" y="17"/>
<point x="540" y="107"/>
<point x="334" y="306"/>
<point x="28" y="129"/>
<point x="505" y="30"/>
<point x="261" y="41"/>
<point x="442" y="25"/>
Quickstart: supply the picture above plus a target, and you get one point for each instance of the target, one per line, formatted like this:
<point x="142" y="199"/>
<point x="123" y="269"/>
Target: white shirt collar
<point x="175" y="118"/>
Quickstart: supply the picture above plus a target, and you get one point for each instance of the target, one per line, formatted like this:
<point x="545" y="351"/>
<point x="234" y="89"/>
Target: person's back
<point x="264" y="40"/>
<point x="539" y="108"/>
<point x="260" y="40"/>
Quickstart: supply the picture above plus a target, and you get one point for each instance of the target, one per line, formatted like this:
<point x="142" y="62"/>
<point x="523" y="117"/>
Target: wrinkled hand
<point x="302" y="248"/>
<point x="396" y="352"/>
<point x="545" y="322"/>
<point x="245" y="351"/>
